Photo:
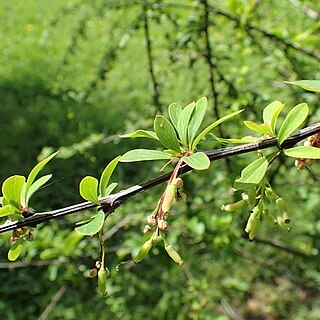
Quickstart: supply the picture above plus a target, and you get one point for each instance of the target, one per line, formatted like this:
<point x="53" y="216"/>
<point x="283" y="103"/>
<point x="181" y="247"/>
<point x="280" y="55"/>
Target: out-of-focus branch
<point x="155" y="84"/>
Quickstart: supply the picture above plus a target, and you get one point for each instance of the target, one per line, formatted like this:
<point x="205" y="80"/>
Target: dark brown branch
<point x="110" y="203"/>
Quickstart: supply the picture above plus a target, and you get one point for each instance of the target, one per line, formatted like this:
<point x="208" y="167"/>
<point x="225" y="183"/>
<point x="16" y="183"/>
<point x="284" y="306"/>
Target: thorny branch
<point x="110" y="203"/>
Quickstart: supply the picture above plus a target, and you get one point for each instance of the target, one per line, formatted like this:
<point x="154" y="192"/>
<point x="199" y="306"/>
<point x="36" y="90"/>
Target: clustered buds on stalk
<point x="255" y="199"/>
<point x="253" y="223"/>
<point x="313" y="141"/>
<point x="157" y="218"/>
<point x="24" y="232"/>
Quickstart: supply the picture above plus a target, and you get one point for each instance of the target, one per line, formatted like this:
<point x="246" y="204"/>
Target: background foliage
<point x="75" y="74"/>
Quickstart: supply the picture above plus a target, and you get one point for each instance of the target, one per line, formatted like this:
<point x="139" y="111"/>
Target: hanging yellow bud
<point x="253" y="216"/>
<point x="234" y="206"/>
<point x="254" y="228"/>
<point x="143" y="252"/>
<point x="169" y="196"/>
<point x="173" y="254"/>
<point x="178" y="182"/>
<point x="102" y="281"/>
<point x="283" y="209"/>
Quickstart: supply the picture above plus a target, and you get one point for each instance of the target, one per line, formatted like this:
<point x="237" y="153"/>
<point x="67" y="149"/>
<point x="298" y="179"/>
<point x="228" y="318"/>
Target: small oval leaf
<point x="197" y="118"/>
<point x="212" y="126"/>
<point x="304" y="152"/>
<point x="34" y="172"/>
<point x="91" y="228"/>
<point x="7" y="210"/>
<point x="310" y="85"/>
<point x="183" y="122"/>
<point x="261" y="128"/>
<point x="105" y="176"/>
<point x="271" y="113"/>
<point x="166" y="133"/>
<point x="292" y="121"/>
<point x="144" y="155"/>
<point x="89" y="188"/>
<point x="174" y="113"/>
<point x="252" y="174"/>
<point x="36" y="186"/>
<point x="12" y="189"/>
<point x="140" y="134"/>
<point x="15" y="250"/>
<point x="197" y="161"/>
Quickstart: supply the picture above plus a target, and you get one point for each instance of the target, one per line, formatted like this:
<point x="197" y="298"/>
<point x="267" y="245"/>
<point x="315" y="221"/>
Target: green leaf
<point x="271" y="113"/>
<point x="305" y="152"/>
<point x="110" y="188"/>
<point x="36" y="186"/>
<point x="140" y="134"/>
<point x="7" y="210"/>
<point x="34" y="172"/>
<point x="89" y="188"/>
<point x="197" y="161"/>
<point x="174" y="113"/>
<point x="144" y="155"/>
<point x="197" y="118"/>
<point x="252" y="174"/>
<point x="292" y="121"/>
<point x="105" y="176"/>
<point x="310" y="85"/>
<point x="12" y="189"/>
<point x="166" y="133"/>
<point x="261" y="128"/>
<point x="93" y="226"/>
<point x="183" y="122"/>
<point x="247" y="139"/>
<point x="212" y="126"/>
<point x="15" y="250"/>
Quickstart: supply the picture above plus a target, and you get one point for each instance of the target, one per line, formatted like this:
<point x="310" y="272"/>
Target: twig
<point x="246" y="26"/>
<point x="53" y="303"/>
<point x="155" y="84"/>
<point x="282" y="246"/>
<point x="208" y="57"/>
<point x="110" y="203"/>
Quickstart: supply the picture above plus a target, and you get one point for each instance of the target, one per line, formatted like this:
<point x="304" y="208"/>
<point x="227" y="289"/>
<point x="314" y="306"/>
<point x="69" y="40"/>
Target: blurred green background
<point x="75" y="74"/>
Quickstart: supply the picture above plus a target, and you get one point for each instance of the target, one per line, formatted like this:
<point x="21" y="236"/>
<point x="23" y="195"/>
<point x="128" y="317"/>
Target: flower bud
<point x="282" y="224"/>
<point x="253" y="216"/>
<point x="169" y="197"/>
<point x="283" y="209"/>
<point x="234" y="206"/>
<point x="178" y="182"/>
<point x="143" y="252"/>
<point x="102" y="281"/>
<point x="173" y="254"/>
<point x="93" y="272"/>
<point x="151" y="220"/>
<point x="146" y="229"/>
<point x="163" y="224"/>
<point x="254" y="228"/>
<point x="181" y="196"/>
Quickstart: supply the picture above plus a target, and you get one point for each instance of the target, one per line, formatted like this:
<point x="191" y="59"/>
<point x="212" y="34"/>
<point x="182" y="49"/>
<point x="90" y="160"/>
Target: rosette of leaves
<point x="91" y="190"/>
<point x="179" y="135"/>
<point x="17" y="191"/>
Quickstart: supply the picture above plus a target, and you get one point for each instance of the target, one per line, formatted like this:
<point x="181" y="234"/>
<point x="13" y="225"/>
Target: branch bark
<point x="110" y="203"/>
